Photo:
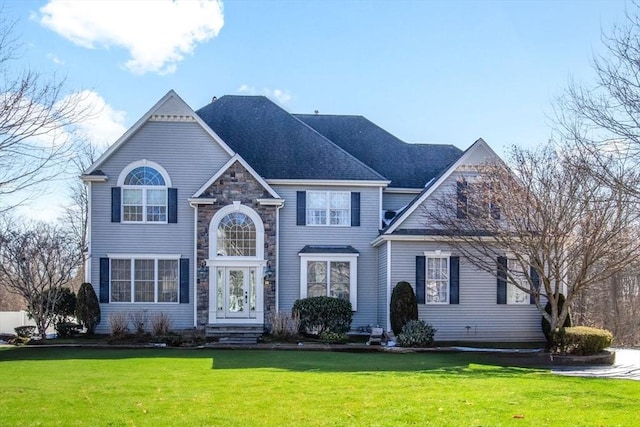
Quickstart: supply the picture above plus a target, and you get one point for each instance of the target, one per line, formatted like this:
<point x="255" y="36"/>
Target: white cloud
<point x="157" y="34"/>
<point x="55" y="59"/>
<point x="281" y="96"/>
<point x="104" y="124"/>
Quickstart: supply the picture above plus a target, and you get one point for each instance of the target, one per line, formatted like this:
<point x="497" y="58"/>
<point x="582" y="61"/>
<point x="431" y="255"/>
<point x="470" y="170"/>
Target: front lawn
<point x="49" y="386"/>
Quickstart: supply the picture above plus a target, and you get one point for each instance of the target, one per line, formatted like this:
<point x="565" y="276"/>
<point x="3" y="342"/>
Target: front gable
<point x="411" y="220"/>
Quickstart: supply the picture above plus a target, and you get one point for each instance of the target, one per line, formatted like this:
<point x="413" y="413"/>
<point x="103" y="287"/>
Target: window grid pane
<point x="120" y="280"/>
<point x="514" y="294"/>
<point x="340" y="280"/>
<point x="437" y="279"/>
<point x="144" y="204"/>
<point x="328" y="208"/>
<point x="236" y="236"/>
<point x="167" y="280"/>
<point x="144" y="280"/>
<point x="316" y="279"/>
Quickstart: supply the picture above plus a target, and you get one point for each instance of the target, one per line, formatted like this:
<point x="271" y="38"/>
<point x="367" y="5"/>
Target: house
<point x="220" y="216"/>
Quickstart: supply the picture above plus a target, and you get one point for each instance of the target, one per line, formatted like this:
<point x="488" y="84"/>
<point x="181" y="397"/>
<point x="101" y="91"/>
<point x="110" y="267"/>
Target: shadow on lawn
<point x="437" y="363"/>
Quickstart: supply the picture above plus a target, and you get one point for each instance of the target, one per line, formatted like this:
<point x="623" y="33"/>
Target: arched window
<point x="236" y="235"/>
<point x="144" y="193"/>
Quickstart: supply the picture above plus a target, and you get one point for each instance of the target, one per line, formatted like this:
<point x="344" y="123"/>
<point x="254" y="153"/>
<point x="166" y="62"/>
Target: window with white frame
<point x="329" y="275"/>
<point x="144" y="196"/>
<point x="516" y="295"/>
<point x="436" y="278"/>
<point x="144" y="280"/>
<point x="328" y="208"/>
<point x="236" y="235"/>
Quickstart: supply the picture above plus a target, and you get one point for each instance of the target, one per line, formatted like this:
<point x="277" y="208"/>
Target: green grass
<point x="112" y="387"/>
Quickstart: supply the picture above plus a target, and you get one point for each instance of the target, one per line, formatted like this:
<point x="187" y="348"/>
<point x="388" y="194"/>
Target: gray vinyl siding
<point x="383" y="306"/>
<point x="488" y="321"/>
<point x="396" y="201"/>
<point x="294" y="237"/>
<point x="419" y="218"/>
<point x="190" y="157"/>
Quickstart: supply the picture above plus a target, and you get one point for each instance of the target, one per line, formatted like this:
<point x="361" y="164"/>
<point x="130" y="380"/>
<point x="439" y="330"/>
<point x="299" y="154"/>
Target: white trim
<point x="195" y="266"/>
<point x="87" y="260"/>
<point x="381" y="215"/>
<point x="148" y="115"/>
<point x="94" y="178"/>
<point x="327" y="208"/>
<point x="396" y="190"/>
<point x="461" y="161"/>
<point x="143" y="256"/>
<point x="193" y="202"/>
<point x="352" y="259"/>
<point x="144" y="162"/>
<point x="277" y="266"/>
<point x="223" y="169"/>
<point x="213" y="235"/>
<point x="327" y="182"/>
<point x="419" y="238"/>
<point x="388" y="285"/>
<point x="271" y="202"/>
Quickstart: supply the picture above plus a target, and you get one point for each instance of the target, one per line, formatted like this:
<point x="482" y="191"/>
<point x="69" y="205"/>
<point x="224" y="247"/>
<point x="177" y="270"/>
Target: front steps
<point x="235" y="334"/>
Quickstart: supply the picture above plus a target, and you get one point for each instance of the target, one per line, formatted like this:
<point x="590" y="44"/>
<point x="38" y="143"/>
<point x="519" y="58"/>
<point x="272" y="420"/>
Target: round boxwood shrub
<point x="403" y="307"/>
<point x="416" y="333"/>
<point x="88" y="307"/>
<point x="323" y="314"/>
<point x="546" y="326"/>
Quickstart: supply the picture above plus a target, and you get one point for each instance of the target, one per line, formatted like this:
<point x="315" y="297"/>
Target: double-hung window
<point x="515" y="295"/>
<point x="333" y="275"/>
<point x="328" y="208"/>
<point x="144" y="196"/>
<point x="437" y="278"/>
<point x="144" y="280"/>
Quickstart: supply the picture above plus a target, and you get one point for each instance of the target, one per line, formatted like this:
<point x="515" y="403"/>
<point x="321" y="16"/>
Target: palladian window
<point x="144" y="196"/>
<point x="236" y="236"/>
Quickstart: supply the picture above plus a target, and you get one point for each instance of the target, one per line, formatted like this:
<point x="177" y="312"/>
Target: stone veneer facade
<point x="235" y="184"/>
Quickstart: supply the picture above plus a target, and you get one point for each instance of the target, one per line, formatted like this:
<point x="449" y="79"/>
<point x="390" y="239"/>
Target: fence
<point x="12" y="319"/>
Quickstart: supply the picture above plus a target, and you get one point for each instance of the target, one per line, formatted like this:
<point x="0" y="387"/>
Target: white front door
<point x="237" y="292"/>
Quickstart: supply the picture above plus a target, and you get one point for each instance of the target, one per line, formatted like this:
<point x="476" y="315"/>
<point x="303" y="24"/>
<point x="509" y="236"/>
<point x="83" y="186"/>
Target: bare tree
<point x="560" y="228"/>
<point x="36" y="261"/>
<point x="36" y="123"/>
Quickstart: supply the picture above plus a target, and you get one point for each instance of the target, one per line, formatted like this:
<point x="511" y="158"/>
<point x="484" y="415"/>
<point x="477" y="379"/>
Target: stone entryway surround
<point x="235" y="184"/>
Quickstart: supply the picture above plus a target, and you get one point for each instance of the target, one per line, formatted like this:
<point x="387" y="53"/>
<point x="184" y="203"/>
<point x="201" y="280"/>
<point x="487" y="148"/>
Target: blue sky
<point x="426" y="71"/>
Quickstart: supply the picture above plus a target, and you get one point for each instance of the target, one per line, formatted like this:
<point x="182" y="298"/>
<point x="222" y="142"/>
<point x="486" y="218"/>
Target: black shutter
<point x="502" y="280"/>
<point x="420" y="278"/>
<point x="301" y="208"/>
<point x="184" y="280"/>
<point x="172" y="215"/>
<point x="116" y="198"/>
<point x="104" y="280"/>
<point x="355" y="209"/>
<point x="535" y="279"/>
<point x="454" y="280"/>
<point x="461" y="195"/>
<point x="495" y="210"/>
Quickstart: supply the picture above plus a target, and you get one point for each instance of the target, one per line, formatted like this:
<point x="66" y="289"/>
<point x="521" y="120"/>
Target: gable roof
<point x="480" y="144"/>
<point x="245" y="165"/>
<point x="278" y="145"/>
<point x="169" y="108"/>
<point x="406" y="165"/>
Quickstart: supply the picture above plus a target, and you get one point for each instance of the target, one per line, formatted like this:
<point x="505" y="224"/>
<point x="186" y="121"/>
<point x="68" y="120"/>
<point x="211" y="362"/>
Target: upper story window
<point x="145" y="193"/>
<point x="475" y="199"/>
<point x="328" y="208"/>
<point x="236" y="235"/>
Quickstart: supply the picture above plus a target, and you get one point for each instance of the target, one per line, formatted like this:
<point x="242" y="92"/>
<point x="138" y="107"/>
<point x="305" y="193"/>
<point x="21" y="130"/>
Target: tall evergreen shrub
<point x="88" y="307"/>
<point x="403" y="307"/>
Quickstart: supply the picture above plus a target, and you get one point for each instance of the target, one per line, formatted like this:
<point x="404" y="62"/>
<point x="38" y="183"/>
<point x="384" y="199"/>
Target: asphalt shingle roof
<point x="406" y="165"/>
<point x="277" y="144"/>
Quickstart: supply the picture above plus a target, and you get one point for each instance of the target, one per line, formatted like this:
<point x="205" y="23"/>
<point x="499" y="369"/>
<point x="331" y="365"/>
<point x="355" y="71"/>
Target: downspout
<point x="388" y="285"/>
<point x="87" y="256"/>
<point x="278" y="257"/>
<point x="195" y="264"/>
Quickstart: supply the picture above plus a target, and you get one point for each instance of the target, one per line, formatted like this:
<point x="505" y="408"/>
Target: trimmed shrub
<point x="320" y="314"/>
<point x="25" y="331"/>
<point x="67" y="329"/>
<point x="581" y="340"/>
<point x="403" y="307"/>
<point x="160" y="324"/>
<point x="546" y="326"/>
<point x="88" y="307"/>
<point x="416" y="333"/>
